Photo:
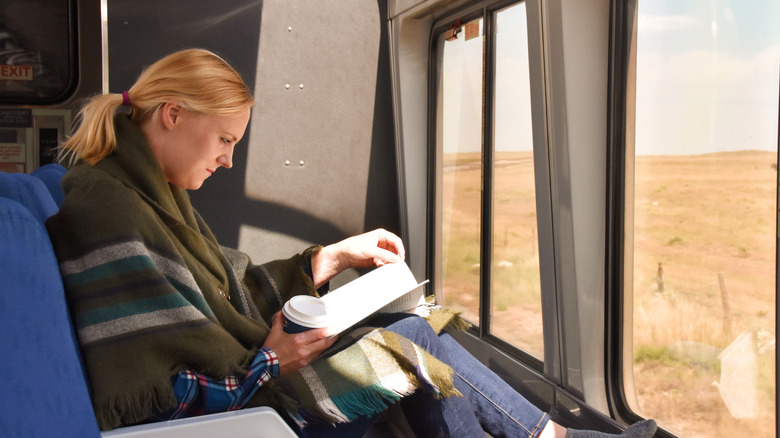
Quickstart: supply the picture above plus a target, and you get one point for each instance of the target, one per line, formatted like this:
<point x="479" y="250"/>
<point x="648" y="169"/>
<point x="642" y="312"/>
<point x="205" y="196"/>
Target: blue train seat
<point x="45" y="391"/>
<point x="51" y="175"/>
<point x="31" y="192"/>
<point x="44" y="388"/>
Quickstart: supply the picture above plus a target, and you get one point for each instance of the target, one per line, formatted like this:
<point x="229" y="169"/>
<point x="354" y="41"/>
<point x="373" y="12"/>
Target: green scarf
<point x="152" y="293"/>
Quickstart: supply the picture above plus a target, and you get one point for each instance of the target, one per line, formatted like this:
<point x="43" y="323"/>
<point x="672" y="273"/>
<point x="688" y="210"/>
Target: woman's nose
<point x="226" y="160"/>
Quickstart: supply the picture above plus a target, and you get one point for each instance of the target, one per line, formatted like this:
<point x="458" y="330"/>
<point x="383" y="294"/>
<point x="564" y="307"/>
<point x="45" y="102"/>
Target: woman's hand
<point x="295" y="351"/>
<point x="374" y="248"/>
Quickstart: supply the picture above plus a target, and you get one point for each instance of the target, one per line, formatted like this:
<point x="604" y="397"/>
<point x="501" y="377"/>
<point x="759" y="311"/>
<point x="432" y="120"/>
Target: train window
<point x="701" y="186"/>
<point x="468" y="172"/>
<point x="37" y="51"/>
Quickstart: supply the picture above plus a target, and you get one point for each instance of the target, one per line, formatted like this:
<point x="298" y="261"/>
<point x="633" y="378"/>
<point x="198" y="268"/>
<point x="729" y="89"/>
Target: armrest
<point x="244" y="423"/>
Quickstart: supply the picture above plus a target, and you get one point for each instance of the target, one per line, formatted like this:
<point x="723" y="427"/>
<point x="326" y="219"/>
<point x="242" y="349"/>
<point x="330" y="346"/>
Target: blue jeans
<point x="488" y="403"/>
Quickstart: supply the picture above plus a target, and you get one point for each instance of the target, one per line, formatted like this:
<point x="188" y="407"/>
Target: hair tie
<point x="125" y="98"/>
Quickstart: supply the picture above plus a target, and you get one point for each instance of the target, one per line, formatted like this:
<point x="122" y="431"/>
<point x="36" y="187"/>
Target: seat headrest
<point x="51" y="174"/>
<point x="29" y="191"/>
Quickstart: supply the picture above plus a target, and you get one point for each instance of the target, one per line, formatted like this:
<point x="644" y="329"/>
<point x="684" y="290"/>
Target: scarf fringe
<point x="444" y="386"/>
<point x="369" y="401"/>
<point x="444" y="318"/>
<point x="133" y="407"/>
<point x="130" y="408"/>
<point x="346" y="408"/>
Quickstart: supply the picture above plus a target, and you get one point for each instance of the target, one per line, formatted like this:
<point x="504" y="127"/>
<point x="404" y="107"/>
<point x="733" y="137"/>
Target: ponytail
<point x="95" y="138"/>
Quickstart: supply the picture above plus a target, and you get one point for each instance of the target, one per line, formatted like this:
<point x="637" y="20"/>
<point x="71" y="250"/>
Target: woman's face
<point x="199" y="144"/>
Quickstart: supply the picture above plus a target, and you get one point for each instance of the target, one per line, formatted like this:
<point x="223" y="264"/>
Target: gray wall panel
<point x="316" y="82"/>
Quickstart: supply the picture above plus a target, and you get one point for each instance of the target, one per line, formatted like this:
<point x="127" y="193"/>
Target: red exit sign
<point x="16" y="72"/>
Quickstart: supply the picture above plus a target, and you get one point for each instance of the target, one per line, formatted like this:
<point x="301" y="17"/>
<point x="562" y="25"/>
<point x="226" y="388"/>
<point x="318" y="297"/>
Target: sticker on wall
<point x="472" y="30"/>
<point x="16" y="118"/>
<point x="12" y="158"/>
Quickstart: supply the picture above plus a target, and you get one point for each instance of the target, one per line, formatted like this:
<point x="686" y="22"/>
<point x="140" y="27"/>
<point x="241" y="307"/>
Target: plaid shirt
<point x="198" y="394"/>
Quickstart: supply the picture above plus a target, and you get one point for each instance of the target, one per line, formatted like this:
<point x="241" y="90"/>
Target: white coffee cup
<point x="304" y="312"/>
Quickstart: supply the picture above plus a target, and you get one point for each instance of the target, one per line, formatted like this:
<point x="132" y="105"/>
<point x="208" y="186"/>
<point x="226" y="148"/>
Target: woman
<point x="171" y="324"/>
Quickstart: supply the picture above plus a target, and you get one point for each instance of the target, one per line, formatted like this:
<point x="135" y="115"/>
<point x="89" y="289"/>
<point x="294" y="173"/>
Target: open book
<point x="390" y="288"/>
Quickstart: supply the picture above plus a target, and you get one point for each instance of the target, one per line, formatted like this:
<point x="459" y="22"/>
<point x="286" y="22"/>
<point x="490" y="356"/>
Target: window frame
<point x="620" y="109"/>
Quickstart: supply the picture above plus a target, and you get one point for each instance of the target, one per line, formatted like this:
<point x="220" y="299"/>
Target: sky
<point x="708" y="79"/>
<point x="707" y="76"/>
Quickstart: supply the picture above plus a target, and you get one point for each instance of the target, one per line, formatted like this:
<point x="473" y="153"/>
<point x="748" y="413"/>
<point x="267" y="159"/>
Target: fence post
<point x="724" y="297"/>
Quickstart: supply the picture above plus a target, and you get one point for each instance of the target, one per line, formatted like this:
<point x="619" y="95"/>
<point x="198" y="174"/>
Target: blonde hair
<point x="202" y="81"/>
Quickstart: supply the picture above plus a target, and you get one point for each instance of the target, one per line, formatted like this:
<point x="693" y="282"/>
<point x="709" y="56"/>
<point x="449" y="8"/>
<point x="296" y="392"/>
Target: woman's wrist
<point x="325" y="265"/>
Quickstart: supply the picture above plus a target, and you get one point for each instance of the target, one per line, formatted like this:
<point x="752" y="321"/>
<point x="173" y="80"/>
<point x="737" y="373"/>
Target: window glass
<point x="516" y="314"/>
<point x="37" y="62"/>
<point x="461" y="102"/>
<point x="512" y="253"/>
<point x="704" y="216"/>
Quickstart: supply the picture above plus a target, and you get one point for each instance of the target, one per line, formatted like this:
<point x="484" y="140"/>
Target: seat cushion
<point x="51" y="174"/>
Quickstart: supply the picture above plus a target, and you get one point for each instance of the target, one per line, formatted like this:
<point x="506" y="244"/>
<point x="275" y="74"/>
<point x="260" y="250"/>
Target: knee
<point x="415" y="328"/>
<point x="415" y="322"/>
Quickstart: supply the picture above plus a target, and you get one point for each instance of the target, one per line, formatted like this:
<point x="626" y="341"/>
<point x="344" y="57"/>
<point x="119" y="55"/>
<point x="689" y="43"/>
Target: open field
<point x="709" y="221"/>
<point x="704" y="274"/>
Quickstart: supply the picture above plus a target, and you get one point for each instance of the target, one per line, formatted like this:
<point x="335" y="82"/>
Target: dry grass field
<point x="709" y="221"/>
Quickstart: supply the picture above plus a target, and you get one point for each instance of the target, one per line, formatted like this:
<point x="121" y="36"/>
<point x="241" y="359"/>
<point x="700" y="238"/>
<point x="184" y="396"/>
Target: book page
<point x="390" y="288"/>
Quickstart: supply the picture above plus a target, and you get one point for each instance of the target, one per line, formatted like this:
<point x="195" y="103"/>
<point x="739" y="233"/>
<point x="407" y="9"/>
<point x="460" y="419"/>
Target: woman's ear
<point x="169" y="115"/>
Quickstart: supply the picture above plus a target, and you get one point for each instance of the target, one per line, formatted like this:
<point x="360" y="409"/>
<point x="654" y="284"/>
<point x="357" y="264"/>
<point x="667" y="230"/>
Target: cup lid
<point x="307" y="310"/>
